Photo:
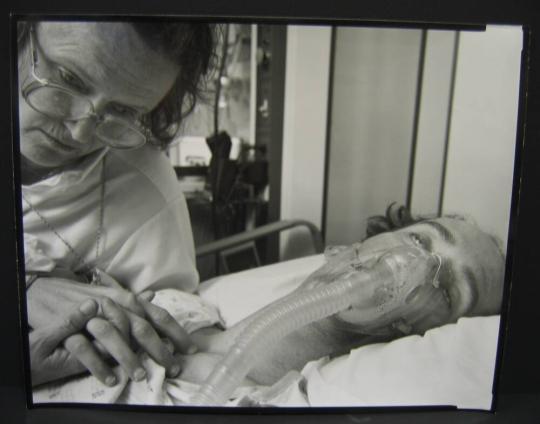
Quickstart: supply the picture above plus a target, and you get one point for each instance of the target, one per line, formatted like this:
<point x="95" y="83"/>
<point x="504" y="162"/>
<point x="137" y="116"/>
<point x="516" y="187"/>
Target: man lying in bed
<point x="471" y="276"/>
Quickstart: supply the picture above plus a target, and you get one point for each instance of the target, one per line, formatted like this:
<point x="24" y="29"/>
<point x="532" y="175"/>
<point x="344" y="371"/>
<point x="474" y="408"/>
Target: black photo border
<point x="516" y="385"/>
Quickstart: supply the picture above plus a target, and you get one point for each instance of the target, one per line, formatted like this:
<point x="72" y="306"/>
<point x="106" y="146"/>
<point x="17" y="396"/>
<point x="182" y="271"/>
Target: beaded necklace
<point x="91" y="272"/>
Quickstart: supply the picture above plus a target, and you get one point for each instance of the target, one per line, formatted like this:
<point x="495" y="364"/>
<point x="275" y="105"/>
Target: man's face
<point x="105" y="62"/>
<point x="471" y="272"/>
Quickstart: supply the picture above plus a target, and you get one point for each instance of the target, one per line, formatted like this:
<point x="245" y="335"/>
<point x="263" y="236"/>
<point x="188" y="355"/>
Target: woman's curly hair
<point x="192" y="45"/>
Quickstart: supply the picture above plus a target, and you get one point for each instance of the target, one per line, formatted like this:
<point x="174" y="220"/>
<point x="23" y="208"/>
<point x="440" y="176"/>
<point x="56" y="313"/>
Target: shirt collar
<point x="73" y="175"/>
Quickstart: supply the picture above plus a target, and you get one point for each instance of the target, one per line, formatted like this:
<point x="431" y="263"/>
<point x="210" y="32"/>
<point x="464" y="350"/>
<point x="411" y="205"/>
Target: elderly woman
<point x="98" y="101"/>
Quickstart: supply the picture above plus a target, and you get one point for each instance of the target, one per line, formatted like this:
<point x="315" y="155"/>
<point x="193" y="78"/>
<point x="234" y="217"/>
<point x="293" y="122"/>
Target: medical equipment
<point x="393" y="290"/>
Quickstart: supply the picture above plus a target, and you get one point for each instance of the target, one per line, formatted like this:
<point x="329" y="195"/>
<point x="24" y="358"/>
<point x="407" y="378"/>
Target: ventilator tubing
<point x="384" y="291"/>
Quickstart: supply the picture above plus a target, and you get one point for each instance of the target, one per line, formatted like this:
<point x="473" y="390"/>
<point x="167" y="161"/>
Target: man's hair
<point x="395" y="217"/>
<point x="191" y="45"/>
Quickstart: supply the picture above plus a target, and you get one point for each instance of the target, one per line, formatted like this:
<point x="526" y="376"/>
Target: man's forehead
<point x="446" y="233"/>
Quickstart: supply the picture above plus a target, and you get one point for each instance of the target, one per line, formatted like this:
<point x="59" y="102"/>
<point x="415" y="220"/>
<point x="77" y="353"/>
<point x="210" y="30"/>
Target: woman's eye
<point x="119" y="109"/>
<point x="71" y="79"/>
<point x="124" y="111"/>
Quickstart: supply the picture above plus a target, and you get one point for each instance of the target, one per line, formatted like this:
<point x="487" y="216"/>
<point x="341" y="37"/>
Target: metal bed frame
<point x="246" y="240"/>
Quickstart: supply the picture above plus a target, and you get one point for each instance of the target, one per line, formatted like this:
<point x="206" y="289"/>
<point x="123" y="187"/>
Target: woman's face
<point x="106" y="62"/>
<point x="472" y="268"/>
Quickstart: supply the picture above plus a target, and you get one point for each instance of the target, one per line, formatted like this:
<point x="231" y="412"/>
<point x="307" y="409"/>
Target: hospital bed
<point x="451" y="365"/>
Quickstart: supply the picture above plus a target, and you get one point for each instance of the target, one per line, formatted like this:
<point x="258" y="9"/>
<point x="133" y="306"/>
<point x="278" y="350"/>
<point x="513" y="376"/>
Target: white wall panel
<point x="483" y="128"/>
<point x="374" y="92"/>
<point x="433" y="121"/>
<point x="304" y="132"/>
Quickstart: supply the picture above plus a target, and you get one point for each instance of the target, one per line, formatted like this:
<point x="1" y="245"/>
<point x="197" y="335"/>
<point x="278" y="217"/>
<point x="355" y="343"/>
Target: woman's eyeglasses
<point x="59" y="102"/>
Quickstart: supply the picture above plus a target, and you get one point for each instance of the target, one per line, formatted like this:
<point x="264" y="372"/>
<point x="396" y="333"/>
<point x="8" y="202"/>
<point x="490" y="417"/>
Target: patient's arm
<point x="309" y="343"/>
<point x="292" y="352"/>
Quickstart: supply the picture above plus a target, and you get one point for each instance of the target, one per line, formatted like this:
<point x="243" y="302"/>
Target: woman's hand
<point x="123" y="320"/>
<point x="49" y="360"/>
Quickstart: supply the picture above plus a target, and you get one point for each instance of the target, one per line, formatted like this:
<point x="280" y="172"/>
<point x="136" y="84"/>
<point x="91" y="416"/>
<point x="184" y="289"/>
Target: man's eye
<point x="418" y="239"/>
<point x="72" y="80"/>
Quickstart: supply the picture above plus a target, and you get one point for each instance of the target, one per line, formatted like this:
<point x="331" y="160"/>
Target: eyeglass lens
<point x="62" y="104"/>
<point x="58" y="103"/>
<point x="118" y="134"/>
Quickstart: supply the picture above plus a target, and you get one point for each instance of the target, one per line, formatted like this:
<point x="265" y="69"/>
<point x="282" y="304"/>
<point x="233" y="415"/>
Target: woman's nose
<point x="83" y="130"/>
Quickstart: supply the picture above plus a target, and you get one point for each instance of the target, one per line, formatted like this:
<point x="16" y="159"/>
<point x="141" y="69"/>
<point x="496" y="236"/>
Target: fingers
<point x="147" y="295"/>
<point x="109" y="337"/>
<point x="74" y="322"/>
<point x="167" y="325"/>
<point x="58" y="364"/>
<point x="81" y="349"/>
<point x="116" y="316"/>
<point x="118" y="293"/>
<point x="147" y="338"/>
<point x="127" y="300"/>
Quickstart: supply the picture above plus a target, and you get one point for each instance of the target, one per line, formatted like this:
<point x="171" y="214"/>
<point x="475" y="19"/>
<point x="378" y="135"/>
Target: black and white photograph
<point x="259" y="215"/>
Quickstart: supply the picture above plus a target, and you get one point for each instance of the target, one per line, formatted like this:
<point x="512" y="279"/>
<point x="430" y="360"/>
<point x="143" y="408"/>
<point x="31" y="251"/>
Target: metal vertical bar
<point x="448" y="122"/>
<point x="416" y="119"/>
<point x="333" y="37"/>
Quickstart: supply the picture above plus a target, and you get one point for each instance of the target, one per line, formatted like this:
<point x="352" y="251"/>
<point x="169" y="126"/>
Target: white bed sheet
<point x="451" y="365"/>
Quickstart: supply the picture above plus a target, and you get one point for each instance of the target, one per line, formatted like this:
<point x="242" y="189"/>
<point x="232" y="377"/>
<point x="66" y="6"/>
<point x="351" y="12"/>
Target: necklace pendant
<point x="95" y="277"/>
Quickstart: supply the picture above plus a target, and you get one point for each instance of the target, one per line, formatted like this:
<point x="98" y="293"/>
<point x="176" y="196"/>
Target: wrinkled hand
<point x="124" y="320"/>
<point x="49" y="360"/>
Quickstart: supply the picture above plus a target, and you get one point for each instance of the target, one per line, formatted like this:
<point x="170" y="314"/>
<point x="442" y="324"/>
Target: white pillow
<point x="449" y="365"/>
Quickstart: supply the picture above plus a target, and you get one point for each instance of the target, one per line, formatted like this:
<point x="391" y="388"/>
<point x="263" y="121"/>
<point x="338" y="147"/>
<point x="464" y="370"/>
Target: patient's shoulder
<point x="341" y="337"/>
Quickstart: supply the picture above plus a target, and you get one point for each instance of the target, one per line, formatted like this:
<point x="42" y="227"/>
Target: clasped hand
<point x="123" y="324"/>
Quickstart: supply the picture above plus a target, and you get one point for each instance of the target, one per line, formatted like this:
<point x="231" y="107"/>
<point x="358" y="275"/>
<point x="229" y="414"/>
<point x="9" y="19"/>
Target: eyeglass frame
<point x="39" y="82"/>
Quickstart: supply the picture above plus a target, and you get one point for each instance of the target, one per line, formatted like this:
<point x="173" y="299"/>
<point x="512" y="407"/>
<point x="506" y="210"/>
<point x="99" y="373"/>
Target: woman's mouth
<point x="57" y="144"/>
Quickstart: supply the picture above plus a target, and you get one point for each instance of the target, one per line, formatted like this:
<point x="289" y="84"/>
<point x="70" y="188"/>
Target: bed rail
<point x="259" y="232"/>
